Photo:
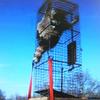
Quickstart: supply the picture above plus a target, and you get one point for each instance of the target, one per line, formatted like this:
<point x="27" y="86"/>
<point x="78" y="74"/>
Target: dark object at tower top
<point x="65" y="5"/>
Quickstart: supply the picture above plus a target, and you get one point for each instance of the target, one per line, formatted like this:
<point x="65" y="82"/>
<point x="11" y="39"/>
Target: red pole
<point x="51" y="96"/>
<point x="30" y="88"/>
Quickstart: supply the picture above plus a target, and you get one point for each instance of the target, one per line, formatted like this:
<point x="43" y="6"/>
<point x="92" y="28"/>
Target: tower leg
<point x="51" y="94"/>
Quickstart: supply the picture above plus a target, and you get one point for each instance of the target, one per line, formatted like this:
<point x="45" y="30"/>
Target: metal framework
<point x="65" y="79"/>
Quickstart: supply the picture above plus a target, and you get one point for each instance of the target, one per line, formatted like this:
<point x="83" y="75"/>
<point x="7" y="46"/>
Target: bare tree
<point x="91" y="86"/>
<point x="18" y="97"/>
<point x="2" y="96"/>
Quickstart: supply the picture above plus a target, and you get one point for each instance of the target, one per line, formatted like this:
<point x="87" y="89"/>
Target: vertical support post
<point x="30" y="88"/>
<point x="51" y="95"/>
<point x="72" y="33"/>
<point x="61" y="79"/>
<point x="30" y="84"/>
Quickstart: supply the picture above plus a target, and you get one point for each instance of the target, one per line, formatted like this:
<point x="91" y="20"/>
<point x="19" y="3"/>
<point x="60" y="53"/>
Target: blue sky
<point x="17" y="29"/>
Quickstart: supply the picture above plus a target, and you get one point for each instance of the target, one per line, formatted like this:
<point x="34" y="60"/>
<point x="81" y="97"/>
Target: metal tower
<point x="66" y="57"/>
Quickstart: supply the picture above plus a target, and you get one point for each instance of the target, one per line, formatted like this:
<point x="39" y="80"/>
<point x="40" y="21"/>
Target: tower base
<point x="46" y="98"/>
